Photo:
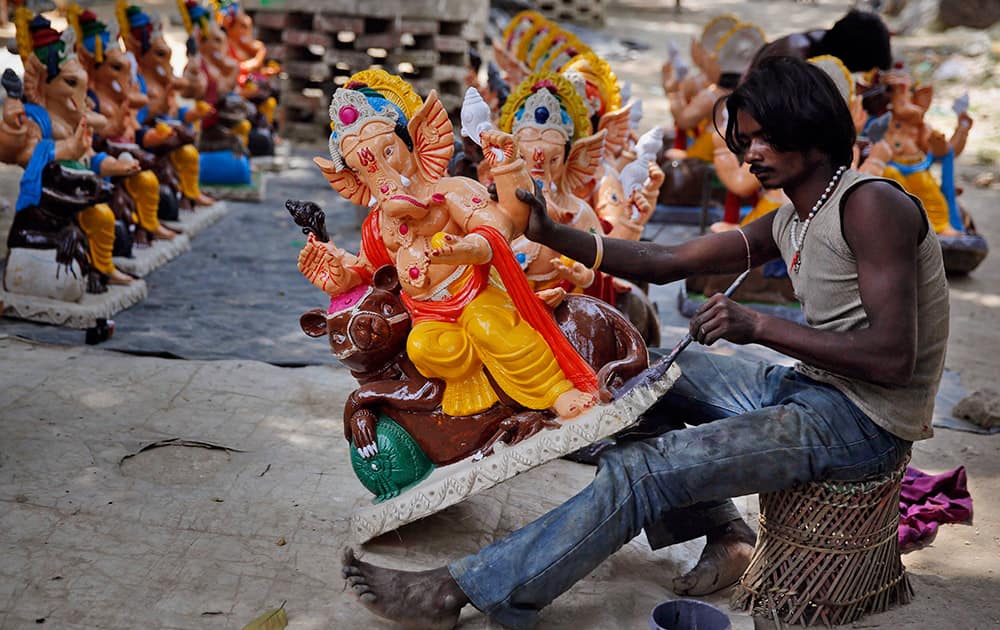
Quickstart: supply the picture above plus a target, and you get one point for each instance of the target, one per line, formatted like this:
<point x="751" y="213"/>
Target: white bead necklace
<point x="797" y="240"/>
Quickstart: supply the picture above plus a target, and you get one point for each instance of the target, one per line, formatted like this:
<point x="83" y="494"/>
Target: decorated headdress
<point x="226" y="11"/>
<point x="531" y="39"/>
<point x="555" y="61"/>
<point x="580" y="85"/>
<point x="36" y="35"/>
<point x="601" y="80"/>
<point x="837" y="71"/>
<point x="738" y="48"/>
<point x="548" y="101"/>
<point x="554" y="39"/>
<point x="369" y="95"/>
<point x="519" y="25"/>
<point x="92" y="34"/>
<point x="715" y="30"/>
<point x="194" y="14"/>
<point x="134" y="21"/>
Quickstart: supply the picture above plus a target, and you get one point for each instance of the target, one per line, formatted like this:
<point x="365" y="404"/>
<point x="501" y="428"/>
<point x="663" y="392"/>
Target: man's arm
<point x="642" y="261"/>
<point x="883" y="227"/>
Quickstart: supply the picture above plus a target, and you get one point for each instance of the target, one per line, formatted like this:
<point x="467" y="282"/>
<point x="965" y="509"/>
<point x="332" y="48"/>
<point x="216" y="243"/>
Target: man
<point x="868" y="272"/>
<point x="860" y="39"/>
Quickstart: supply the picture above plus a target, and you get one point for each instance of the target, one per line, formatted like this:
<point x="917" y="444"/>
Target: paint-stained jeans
<point x="759" y="428"/>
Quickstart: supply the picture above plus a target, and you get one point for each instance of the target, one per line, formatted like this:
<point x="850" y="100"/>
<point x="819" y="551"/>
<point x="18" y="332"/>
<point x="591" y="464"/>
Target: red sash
<point x="373" y="246"/>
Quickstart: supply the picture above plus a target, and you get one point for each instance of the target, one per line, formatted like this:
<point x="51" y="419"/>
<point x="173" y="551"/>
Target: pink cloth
<point x="926" y="501"/>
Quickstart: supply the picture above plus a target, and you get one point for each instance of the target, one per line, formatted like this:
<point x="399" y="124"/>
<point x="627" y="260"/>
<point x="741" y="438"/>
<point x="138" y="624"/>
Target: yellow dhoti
<point x="761" y="208"/>
<point x="144" y="188"/>
<point x="489" y="333"/>
<point x="922" y="185"/>
<point x="98" y="223"/>
<point x="188" y="166"/>
<point x="702" y="146"/>
<point x="267" y="109"/>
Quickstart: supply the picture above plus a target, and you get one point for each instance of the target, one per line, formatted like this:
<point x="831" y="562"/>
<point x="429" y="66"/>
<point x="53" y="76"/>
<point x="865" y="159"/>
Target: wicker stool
<point x="827" y="552"/>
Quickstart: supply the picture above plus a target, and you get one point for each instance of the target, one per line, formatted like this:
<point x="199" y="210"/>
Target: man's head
<point x="788" y="117"/>
<point x="860" y="39"/>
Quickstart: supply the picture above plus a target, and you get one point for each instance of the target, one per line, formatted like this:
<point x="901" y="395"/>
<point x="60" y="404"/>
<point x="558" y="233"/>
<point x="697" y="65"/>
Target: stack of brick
<point x="582" y="11"/>
<point x="321" y="44"/>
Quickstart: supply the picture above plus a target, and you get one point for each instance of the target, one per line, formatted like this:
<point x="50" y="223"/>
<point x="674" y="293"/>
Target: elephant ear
<point x="618" y="127"/>
<point x="433" y="138"/>
<point x="34" y="80"/>
<point x="344" y="181"/>
<point x="581" y="166"/>
<point x="922" y="96"/>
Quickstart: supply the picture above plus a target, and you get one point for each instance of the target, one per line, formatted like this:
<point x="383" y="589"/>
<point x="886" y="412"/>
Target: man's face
<point x="772" y="168"/>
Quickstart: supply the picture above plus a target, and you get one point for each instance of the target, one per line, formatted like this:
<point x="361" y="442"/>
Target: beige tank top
<point x="827" y="287"/>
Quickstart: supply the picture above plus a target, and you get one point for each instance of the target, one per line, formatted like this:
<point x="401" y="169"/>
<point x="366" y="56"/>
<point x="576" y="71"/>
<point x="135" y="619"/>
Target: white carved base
<point x="36" y="272"/>
<point x="193" y="222"/>
<point x="158" y="253"/>
<point x="452" y="484"/>
<point x="83" y="314"/>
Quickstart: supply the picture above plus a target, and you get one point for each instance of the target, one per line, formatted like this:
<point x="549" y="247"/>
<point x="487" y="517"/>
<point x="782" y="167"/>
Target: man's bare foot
<point x="117" y="277"/>
<point x="573" y="403"/>
<point x="725" y="557"/>
<point x="413" y="599"/>
<point x="204" y="200"/>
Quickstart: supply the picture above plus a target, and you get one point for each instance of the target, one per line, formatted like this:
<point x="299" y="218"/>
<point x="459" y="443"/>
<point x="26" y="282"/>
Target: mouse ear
<point x="386" y="278"/>
<point x="313" y="323"/>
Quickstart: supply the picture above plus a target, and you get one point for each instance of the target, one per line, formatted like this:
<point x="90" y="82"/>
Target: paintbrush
<point x="656" y="371"/>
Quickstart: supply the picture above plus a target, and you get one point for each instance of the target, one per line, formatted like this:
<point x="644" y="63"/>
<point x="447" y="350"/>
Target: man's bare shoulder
<point x="881" y="206"/>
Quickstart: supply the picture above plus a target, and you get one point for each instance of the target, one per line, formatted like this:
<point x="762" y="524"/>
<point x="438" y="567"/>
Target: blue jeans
<point x="758" y="428"/>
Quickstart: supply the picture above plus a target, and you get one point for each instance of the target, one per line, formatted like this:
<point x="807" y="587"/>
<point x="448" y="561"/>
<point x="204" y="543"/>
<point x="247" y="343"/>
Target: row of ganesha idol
<point x="109" y="153"/>
<point x="461" y="331"/>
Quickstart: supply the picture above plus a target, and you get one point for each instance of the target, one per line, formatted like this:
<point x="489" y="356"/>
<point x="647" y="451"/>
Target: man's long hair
<point x="798" y="108"/>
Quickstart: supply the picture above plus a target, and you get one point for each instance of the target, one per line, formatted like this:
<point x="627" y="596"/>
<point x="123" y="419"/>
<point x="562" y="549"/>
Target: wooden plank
<point x="295" y="37"/>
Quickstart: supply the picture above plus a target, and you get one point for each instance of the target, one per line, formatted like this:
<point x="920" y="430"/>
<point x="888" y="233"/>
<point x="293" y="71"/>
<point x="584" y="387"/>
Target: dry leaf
<point x="271" y="620"/>
<point x="281" y="542"/>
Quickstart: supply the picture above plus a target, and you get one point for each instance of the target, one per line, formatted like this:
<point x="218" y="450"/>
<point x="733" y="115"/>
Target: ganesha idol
<point x="450" y="345"/>
<point x="113" y="94"/>
<point x="209" y="55"/>
<point x="47" y="129"/>
<point x="598" y="87"/>
<point x="258" y="78"/>
<point x="211" y="75"/>
<point x="906" y="152"/>
<point x="164" y="129"/>
<point x="549" y="120"/>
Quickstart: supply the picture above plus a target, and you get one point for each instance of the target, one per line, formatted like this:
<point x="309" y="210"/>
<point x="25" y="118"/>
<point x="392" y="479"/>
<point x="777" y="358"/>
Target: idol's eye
<point x="337" y="337"/>
<point x="388" y="151"/>
<point x="387" y="309"/>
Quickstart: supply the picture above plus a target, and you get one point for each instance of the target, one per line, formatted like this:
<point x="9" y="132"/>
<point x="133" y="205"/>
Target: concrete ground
<point x="247" y="508"/>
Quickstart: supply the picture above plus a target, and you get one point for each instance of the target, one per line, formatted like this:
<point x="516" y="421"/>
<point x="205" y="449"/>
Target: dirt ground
<point x="198" y="538"/>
